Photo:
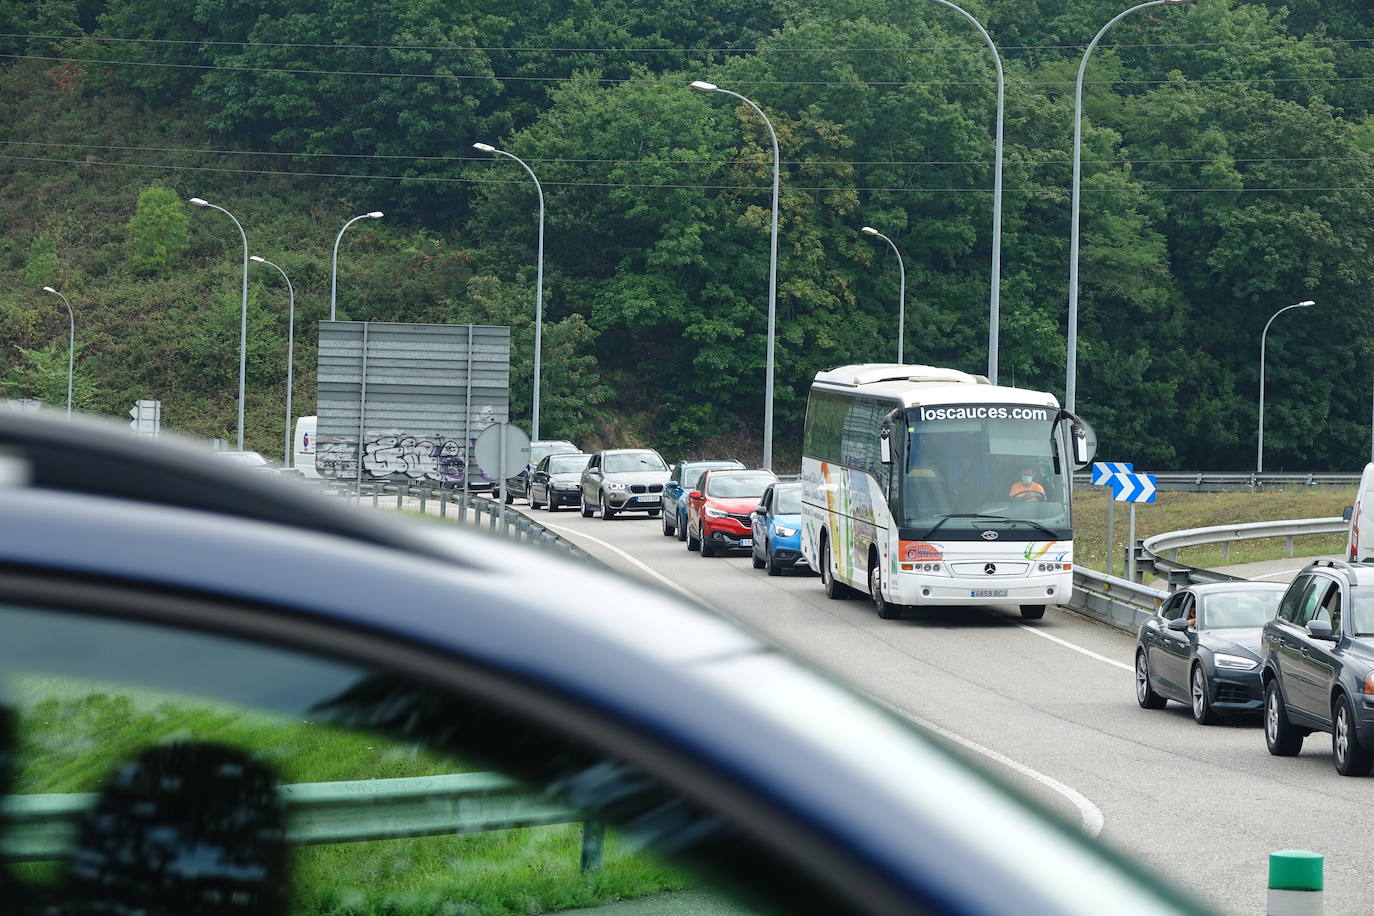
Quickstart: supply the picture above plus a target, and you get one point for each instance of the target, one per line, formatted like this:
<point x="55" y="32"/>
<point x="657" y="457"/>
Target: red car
<point x="719" y="511"/>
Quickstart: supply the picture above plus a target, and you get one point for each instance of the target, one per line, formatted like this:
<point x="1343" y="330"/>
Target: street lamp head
<point x="1307" y="302"/>
<point x="375" y="214"/>
<point x="869" y="230"/>
<point x="200" y="202"/>
<point x="484" y="147"/>
<point x="49" y="289"/>
<point x="258" y="259"/>
<point x="704" y="86"/>
<point x="1176" y="2"/>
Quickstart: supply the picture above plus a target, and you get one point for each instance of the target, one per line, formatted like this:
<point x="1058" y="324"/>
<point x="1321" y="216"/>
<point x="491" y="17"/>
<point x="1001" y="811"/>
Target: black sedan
<point x="1202" y="647"/>
<point x="554" y="482"/>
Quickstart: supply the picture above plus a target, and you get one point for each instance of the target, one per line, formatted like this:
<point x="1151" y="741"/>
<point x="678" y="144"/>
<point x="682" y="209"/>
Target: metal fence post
<point x="593" y="842"/>
<point x="424" y="496"/>
<point x="401" y="493"/>
<point x="443" y="503"/>
<point x="376" y="491"/>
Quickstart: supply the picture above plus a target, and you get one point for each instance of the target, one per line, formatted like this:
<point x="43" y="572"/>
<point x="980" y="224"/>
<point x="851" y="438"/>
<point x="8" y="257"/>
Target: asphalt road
<point x="1049" y="706"/>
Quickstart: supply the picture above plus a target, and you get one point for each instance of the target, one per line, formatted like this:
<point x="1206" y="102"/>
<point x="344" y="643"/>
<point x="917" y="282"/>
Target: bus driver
<point x="1025" y="489"/>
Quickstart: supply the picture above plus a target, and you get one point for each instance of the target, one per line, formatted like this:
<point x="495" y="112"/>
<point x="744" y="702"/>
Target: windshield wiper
<point x="996" y="518"/>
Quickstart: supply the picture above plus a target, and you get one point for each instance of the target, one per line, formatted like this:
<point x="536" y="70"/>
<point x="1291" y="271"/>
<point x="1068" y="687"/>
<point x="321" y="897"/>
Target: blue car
<point x="686" y="476"/>
<point x="777" y="528"/>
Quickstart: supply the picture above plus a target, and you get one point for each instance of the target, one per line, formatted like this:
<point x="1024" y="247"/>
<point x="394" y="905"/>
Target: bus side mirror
<point x="1347" y="512"/>
<point x="1082" y="440"/>
<point x="885" y="443"/>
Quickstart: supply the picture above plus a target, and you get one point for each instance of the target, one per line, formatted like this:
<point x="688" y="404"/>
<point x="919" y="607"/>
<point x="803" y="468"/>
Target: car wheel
<point x="534" y="503"/>
<point x="607" y="513"/>
<point x="1350" y="756"/>
<point x="774" y="567"/>
<point x="510" y="497"/>
<point x="682" y="527"/>
<point x="1032" y="611"/>
<point x="582" y="504"/>
<point x="758" y="561"/>
<point x="693" y="543"/>
<point x="836" y="591"/>
<point x="1145" y="694"/>
<point x="1281" y="736"/>
<point x="668" y="530"/>
<point x="886" y="609"/>
<point x="552" y="505"/>
<point x="1203" y="714"/>
<point x="707" y="548"/>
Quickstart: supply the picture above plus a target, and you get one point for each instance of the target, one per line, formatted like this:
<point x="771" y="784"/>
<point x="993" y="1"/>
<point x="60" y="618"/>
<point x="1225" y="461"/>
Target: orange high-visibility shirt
<point x="1018" y="488"/>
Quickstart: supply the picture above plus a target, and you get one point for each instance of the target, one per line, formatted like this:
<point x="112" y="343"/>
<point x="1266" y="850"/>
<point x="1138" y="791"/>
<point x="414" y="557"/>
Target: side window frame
<point x="1173" y="607"/>
<point x="1292" y="599"/>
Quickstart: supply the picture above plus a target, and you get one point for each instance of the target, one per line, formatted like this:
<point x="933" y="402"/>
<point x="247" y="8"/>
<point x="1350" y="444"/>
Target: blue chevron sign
<point x="1129" y="487"/>
<point x="1103" y="471"/>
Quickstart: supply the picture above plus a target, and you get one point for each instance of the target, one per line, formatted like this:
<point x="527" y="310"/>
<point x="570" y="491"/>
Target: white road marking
<point x="648" y="569"/>
<point x="1068" y="645"/>
<point x="1090" y="815"/>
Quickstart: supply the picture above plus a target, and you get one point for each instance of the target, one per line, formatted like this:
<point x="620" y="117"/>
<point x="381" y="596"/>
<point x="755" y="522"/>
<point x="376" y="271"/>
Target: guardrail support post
<point x="443" y="503"/>
<point x="376" y="492"/>
<point x="593" y="842"/>
<point x="1288" y="544"/>
<point x="1295" y="883"/>
<point x="1226" y="551"/>
<point x="401" y="493"/>
<point x="424" y="496"/>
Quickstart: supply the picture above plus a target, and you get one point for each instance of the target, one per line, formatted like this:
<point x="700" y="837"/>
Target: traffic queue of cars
<point x="715" y="505"/>
<point x="1302" y="655"/>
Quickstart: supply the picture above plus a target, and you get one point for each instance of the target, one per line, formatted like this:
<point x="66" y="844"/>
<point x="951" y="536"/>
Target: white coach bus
<point x="932" y="486"/>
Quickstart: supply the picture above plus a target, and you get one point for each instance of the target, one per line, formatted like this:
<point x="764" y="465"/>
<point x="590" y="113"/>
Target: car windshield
<point x="540" y="451"/>
<point x="788" y="501"/>
<point x="620" y="462"/>
<point x="739" y="486"/>
<point x="691" y="476"/>
<point x="1231" y="610"/>
<point x="1362" y="610"/>
<point x="568" y="464"/>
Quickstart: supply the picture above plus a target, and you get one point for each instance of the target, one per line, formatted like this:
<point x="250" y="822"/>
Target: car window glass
<point x="1172" y="608"/>
<point x="1311" y="599"/>
<point x="566" y="464"/>
<point x="1362" y="611"/>
<point x="738" y="486"/>
<point x="1235" y="609"/>
<point x="1291" y="602"/>
<point x="787" y="501"/>
<point x="304" y="785"/>
<point x="1330" y="609"/>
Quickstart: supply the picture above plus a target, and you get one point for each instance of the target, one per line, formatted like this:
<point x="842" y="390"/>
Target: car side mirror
<point x="1347" y="513"/>
<point x="1179" y="624"/>
<point x="1319" y="629"/>
<point x="760" y="510"/>
<point x="695" y="494"/>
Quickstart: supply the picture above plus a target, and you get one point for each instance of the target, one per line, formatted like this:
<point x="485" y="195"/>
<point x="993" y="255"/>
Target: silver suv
<point x="623" y="480"/>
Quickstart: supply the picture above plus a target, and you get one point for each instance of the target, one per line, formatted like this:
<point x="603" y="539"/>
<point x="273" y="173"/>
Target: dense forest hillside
<point x="1226" y="174"/>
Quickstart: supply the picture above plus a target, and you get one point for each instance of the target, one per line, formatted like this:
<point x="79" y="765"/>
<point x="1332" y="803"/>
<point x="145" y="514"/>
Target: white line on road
<point x="1068" y="645"/>
<point x="648" y="569"/>
<point x="1089" y="814"/>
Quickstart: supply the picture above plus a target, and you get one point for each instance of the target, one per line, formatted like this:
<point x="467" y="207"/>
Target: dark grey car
<point x="1202" y="648"/>
<point x="554" y="482"/>
<point x="1319" y="665"/>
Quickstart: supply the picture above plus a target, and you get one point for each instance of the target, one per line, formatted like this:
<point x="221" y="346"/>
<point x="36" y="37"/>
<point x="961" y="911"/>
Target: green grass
<point x="74" y="742"/>
<point x="1177" y="511"/>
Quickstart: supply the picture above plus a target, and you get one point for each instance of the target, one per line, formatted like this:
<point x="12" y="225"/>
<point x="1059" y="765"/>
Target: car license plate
<point x="746" y="542"/>
<point x="650" y="499"/>
<point x="988" y="593"/>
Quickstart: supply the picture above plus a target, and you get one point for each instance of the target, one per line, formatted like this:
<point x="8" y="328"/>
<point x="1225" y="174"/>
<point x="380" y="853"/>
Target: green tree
<point x="158" y="234"/>
<point x="40" y="266"/>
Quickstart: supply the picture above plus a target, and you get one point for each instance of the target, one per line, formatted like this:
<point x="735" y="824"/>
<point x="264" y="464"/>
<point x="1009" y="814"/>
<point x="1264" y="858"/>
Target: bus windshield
<point x="972" y="468"/>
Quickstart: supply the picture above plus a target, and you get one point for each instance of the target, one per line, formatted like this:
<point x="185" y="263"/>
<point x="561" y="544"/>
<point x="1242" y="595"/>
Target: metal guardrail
<point x="41" y="828"/>
<point x="1125" y="604"/>
<point x="1213" y="481"/>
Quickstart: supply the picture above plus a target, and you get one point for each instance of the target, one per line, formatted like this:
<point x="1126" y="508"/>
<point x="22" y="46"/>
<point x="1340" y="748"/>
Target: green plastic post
<point x="1295" y="870"/>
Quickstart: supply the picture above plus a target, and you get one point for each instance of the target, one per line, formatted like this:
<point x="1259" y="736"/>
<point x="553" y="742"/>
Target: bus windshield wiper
<point x="996" y="518"/>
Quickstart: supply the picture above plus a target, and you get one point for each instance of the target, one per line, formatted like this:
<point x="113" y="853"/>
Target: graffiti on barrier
<point x="395" y="453"/>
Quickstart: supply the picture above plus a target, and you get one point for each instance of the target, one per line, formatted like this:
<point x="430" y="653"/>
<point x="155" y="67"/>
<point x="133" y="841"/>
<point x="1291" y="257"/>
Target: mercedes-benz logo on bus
<point x="990" y="568"/>
<point x="989" y="535"/>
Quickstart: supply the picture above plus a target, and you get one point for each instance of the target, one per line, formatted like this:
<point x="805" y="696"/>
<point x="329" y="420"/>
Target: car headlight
<point x="614" y="485"/>
<point x="785" y="532"/>
<point x="716" y="513"/>
<point x="1234" y="662"/>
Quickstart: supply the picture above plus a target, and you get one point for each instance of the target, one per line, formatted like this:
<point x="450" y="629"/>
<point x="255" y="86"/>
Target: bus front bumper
<point x="919" y="588"/>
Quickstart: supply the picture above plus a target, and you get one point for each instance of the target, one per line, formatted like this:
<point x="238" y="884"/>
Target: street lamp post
<point x="1259" y="455"/>
<point x="901" y="296"/>
<point x="71" y="344"/>
<point x="334" y="268"/>
<point x="1071" y="376"/>
<point x="243" y="312"/>
<point x="703" y="86"/>
<point x="538" y="283"/>
<point x="290" y="350"/>
<point x="995" y="297"/>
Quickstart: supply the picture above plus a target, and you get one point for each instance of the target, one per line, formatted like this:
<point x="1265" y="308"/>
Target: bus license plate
<point x="988" y="593"/>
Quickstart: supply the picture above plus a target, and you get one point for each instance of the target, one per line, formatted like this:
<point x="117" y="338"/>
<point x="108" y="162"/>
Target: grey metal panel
<point x="420" y="380"/>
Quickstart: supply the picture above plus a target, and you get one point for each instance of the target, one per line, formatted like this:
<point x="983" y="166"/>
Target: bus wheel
<point x="834" y="590"/>
<point x="886" y="610"/>
<point x="1032" y="611"/>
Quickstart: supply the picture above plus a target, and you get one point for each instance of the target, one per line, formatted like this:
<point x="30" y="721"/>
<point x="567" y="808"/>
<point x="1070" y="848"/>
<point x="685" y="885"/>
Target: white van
<point x="303" y="453"/>
<point x="1359" y="542"/>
